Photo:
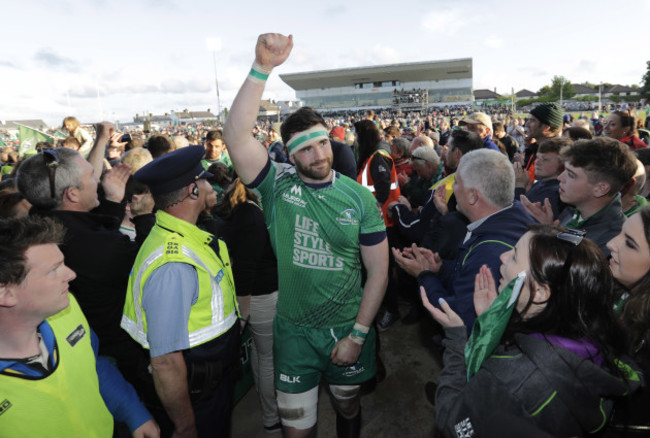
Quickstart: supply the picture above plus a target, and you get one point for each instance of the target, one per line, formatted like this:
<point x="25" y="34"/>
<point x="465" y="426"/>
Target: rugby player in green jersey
<point x="323" y="226"/>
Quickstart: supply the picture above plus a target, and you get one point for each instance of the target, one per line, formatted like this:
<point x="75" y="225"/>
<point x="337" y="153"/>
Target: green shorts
<point x="302" y="356"/>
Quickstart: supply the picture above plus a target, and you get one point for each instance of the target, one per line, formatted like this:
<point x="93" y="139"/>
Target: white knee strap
<point x="346" y="398"/>
<point x="299" y="411"/>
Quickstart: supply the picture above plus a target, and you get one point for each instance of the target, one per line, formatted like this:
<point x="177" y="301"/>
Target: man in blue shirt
<point x="481" y="124"/>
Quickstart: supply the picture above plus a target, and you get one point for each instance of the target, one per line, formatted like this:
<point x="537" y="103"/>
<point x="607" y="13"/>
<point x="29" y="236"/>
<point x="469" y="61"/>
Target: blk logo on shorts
<point x="289" y="379"/>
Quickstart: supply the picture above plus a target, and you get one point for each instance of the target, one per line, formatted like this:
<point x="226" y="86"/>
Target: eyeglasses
<point x="51" y="158"/>
<point x="572" y="236"/>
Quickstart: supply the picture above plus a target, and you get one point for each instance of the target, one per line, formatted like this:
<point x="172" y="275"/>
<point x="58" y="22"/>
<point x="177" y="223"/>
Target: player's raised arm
<point x="247" y="154"/>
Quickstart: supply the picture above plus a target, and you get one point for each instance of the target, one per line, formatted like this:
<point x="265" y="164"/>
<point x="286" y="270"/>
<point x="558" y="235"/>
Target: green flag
<point x="490" y="326"/>
<point x="28" y="138"/>
<point x="60" y="135"/>
<point x="2" y="143"/>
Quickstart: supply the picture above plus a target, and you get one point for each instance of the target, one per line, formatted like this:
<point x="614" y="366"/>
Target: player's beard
<point x="315" y="171"/>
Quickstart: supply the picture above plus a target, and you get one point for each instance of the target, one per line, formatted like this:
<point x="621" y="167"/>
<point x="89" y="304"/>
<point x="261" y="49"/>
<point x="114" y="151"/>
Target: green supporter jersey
<point x="224" y="158"/>
<point x="315" y="235"/>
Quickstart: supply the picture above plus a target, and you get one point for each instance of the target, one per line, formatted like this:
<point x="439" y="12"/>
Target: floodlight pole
<point x="216" y="80"/>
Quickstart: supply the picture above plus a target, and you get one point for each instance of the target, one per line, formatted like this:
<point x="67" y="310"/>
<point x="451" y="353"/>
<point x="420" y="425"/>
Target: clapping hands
<point x="415" y="259"/>
<point x="485" y="290"/>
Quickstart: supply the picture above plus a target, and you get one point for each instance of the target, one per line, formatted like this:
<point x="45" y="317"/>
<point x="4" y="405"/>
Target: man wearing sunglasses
<point x="61" y="184"/>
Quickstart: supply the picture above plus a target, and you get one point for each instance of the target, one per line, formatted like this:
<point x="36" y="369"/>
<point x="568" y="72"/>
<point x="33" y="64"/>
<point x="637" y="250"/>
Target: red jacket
<point x="403" y="165"/>
<point x="633" y="142"/>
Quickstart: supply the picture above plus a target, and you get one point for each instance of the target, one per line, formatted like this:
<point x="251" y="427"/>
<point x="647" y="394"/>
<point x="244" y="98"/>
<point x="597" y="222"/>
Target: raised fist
<point x="272" y="49"/>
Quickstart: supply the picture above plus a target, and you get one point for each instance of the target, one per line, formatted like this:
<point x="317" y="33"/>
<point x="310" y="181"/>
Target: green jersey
<point x="224" y="158"/>
<point x="315" y="231"/>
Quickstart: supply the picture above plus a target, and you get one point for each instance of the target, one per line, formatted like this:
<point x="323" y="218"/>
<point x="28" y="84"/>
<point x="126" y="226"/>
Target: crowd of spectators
<point x="458" y="192"/>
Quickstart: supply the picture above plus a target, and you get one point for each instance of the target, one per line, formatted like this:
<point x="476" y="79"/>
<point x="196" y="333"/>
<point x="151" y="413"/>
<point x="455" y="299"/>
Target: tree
<point x="560" y="82"/>
<point x="552" y="92"/>
<point x="645" y="88"/>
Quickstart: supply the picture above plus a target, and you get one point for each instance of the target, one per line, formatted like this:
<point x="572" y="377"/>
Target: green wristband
<point x="362" y="328"/>
<point x="258" y="75"/>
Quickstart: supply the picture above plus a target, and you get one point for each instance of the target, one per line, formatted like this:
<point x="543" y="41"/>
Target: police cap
<point x="173" y="171"/>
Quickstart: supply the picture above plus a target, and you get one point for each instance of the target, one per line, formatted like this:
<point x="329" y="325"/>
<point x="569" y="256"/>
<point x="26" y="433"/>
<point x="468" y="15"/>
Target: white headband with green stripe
<point x="306" y="138"/>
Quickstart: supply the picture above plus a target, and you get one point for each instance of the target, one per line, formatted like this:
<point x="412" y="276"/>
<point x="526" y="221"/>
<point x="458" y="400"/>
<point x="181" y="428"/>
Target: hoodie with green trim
<point x="550" y="388"/>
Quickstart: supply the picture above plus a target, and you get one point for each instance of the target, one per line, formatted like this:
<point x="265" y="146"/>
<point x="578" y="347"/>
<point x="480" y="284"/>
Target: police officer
<point x="181" y="304"/>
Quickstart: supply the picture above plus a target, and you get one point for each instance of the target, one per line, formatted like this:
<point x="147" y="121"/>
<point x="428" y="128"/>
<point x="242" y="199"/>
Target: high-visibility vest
<point x="64" y="403"/>
<point x="174" y="240"/>
<point x="365" y="179"/>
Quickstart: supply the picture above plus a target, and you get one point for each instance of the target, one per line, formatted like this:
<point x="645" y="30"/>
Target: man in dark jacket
<point x="343" y="161"/>
<point x="61" y="184"/>
<point x="543" y="122"/>
<point x="484" y="190"/>
<point x="437" y="225"/>
<point x="595" y="171"/>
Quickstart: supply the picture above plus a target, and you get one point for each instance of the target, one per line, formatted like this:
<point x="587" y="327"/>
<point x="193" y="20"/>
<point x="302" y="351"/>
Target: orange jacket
<point x="365" y="179"/>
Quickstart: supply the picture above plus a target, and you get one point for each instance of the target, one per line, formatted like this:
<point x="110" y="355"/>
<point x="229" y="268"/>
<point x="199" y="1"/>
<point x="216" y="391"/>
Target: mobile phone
<point x="125" y="138"/>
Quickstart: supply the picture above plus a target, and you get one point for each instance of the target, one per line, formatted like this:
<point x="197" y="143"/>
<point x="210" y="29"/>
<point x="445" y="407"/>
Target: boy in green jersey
<point x="323" y="226"/>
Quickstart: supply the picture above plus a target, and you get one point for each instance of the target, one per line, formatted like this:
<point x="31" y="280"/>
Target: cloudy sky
<point x="111" y="59"/>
